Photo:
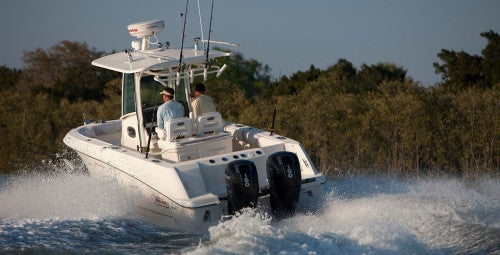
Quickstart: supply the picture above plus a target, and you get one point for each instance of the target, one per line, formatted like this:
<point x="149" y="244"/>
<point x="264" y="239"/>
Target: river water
<point x="73" y="213"/>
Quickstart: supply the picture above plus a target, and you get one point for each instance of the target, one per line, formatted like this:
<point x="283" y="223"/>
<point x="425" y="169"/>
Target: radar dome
<point x="146" y="28"/>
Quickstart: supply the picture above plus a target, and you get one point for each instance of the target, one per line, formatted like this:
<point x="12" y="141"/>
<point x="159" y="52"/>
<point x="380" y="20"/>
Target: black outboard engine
<point x="283" y="172"/>
<point x="242" y="184"/>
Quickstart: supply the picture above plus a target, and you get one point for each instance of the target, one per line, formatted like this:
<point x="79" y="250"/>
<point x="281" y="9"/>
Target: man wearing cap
<point x="170" y="109"/>
<point x="201" y="103"/>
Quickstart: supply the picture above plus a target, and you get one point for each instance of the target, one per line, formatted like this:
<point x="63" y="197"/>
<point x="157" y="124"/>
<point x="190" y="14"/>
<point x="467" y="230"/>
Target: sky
<point x="287" y="35"/>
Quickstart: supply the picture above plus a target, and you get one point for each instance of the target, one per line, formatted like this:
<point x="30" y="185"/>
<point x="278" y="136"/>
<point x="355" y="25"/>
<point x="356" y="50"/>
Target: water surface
<point x="74" y="213"/>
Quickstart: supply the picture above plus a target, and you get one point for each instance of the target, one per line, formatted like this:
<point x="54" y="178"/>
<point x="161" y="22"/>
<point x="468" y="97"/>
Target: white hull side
<point x="154" y="206"/>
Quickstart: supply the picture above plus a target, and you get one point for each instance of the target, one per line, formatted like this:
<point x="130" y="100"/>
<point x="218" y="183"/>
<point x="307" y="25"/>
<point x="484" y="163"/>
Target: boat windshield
<point x="128" y="103"/>
<point x="150" y="99"/>
<point x="150" y="92"/>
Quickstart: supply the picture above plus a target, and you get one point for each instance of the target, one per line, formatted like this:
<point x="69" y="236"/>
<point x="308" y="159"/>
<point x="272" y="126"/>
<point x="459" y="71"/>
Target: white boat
<point x="195" y="171"/>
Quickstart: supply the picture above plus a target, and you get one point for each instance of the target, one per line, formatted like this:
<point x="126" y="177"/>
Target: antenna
<point x="223" y="43"/>
<point x="201" y="23"/>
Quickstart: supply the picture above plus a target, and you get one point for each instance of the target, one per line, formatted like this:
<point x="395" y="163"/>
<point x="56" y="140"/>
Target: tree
<point x="461" y="70"/>
<point x="343" y="70"/>
<point x="251" y="76"/>
<point x="8" y="77"/>
<point x="491" y="55"/>
<point x="370" y="77"/>
<point x="64" y="70"/>
<point x="296" y="82"/>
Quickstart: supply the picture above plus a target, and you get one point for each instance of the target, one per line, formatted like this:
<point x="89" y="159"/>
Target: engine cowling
<point x="283" y="172"/>
<point x="242" y="184"/>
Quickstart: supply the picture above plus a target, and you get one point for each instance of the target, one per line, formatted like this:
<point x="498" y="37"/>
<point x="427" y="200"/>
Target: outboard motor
<point x="283" y="172"/>
<point x="242" y="184"/>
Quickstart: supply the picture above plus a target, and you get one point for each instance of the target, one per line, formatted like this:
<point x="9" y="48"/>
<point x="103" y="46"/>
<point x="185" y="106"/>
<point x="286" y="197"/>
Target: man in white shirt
<point x="201" y="103"/>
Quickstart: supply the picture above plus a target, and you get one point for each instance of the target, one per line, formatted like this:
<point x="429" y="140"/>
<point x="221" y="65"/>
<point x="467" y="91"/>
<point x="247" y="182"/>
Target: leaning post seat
<point x="209" y="123"/>
<point x="178" y="144"/>
<point x="179" y="128"/>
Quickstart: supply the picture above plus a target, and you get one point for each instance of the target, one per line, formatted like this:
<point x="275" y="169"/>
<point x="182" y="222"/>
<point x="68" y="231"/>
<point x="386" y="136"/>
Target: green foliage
<point x="461" y="70"/>
<point x="370" y="77"/>
<point x="294" y="84"/>
<point x="250" y="76"/>
<point x="491" y="58"/>
<point x="240" y="85"/>
<point x="64" y="71"/>
<point x="368" y="120"/>
<point x="8" y="78"/>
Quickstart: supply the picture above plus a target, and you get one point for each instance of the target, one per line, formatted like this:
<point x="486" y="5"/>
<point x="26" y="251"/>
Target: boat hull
<point x="188" y="195"/>
<point x="153" y="205"/>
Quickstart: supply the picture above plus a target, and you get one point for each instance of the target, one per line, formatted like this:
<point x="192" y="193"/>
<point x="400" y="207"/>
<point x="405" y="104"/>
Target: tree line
<point x="371" y="119"/>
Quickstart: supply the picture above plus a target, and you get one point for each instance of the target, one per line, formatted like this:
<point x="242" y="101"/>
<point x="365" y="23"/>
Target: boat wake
<point x="375" y="216"/>
<point x="358" y="215"/>
<point x="49" y="214"/>
<point x="62" y="197"/>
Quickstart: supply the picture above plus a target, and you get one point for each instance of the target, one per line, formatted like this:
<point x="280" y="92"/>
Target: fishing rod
<point x="183" y="35"/>
<point x="209" y="34"/>
<point x="151" y="131"/>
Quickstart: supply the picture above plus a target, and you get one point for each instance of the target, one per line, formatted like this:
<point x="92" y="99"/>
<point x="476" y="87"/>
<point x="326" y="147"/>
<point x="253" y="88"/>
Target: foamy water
<point x="62" y="197"/>
<point x="382" y="216"/>
<point x="359" y="215"/>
